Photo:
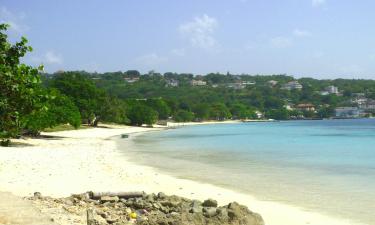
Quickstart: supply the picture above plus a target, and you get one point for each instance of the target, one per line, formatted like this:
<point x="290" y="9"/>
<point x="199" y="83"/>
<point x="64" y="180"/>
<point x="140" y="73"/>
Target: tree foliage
<point x="25" y="106"/>
<point x="21" y="94"/>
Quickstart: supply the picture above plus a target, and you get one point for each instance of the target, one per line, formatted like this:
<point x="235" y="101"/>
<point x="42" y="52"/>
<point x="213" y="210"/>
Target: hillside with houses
<point x="230" y="96"/>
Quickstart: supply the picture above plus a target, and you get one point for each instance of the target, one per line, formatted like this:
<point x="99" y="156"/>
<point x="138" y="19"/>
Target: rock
<point x="243" y="215"/>
<point x="209" y="203"/>
<point x="98" y="220"/>
<point x="209" y="211"/>
<point x="150" y="198"/>
<point x="128" y="211"/>
<point x="83" y="196"/>
<point x="161" y="195"/>
<point x="196" y="207"/>
<point x="112" y="219"/>
<point x="151" y="210"/>
<point x="37" y="195"/>
<point x="109" y="199"/>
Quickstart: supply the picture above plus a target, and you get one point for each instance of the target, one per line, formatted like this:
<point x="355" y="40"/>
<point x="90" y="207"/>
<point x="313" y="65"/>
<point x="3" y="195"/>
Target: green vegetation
<point x="131" y="98"/>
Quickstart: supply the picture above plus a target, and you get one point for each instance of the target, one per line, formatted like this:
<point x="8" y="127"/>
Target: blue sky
<point x="317" y="38"/>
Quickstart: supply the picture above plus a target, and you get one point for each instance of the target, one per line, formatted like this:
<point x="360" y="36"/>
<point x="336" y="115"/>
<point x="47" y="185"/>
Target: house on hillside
<point x="272" y="83"/>
<point x="240" y="84"/>
<point x="236" y="86"/>
<point x="131" y="79"/>
<point x="306" y="107"/>
<point x="348" y="112"/>
<point x="198" y="83"/>
<point x="330" y="90"/>
<point x="292" y="85"/>
<point x="172" y="83"/>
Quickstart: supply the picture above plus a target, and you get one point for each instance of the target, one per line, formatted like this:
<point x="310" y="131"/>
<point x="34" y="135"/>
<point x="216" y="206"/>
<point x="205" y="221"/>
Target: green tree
<point x="140" y="114"/>
<point x="21" y="93"/>
<point x="219" y="111"/>
<point x="160" y="106"/>
<point x="278" y="114"/>
<point x="183" y="116"/>
<point x="202" y="111"/>
<point x="113" y="110"/>
<point x="86" y="96"/>
<point x="241" y="111"/>
<point x="59" y="109"/>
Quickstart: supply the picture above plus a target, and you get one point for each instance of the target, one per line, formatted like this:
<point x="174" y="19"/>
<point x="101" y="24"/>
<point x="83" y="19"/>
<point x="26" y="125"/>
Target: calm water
<point x="324" y="166"/>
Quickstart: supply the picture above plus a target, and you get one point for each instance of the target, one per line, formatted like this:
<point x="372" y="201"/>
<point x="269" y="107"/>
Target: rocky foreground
<point x="144" y="209"/>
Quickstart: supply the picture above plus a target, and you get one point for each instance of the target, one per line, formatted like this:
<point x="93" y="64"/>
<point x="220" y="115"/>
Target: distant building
<point x="172" y="83"/>
<point x="289" y="107"/>
<point x="359" y="99"/>
<point x="131" y="79"/>
<point x="369" y="106"/>
<point x="259" y="114"/>
<point x="240" y="84"/>
<point x="323" y="92"/>
<point x="248" y="82"/>
<point x="306" y="107"/>
<point x="272" y="83"/>
<point x="198" y="83"/>
<point x="348" y="112"/>
<point x="292" y="85"/>
<point x="236" y="85"/>
<point x="332" y="89"/>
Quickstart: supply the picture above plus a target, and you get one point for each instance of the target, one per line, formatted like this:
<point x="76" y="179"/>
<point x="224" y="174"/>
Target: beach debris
<point x="125" y="208"/>
<point x="125" y="195"/>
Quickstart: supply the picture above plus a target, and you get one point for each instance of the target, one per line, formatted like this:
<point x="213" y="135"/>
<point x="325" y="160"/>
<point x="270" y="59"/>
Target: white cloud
<point x="317" y="3"/>
<point x="178" y="51"/>
<point x="52" y="58"/>
<point x="281" y="42"/>
<point x="48" y="58"/>
<point x="151" y="59"/>
<point x="200" y="31"/>
<point x="14" y="20"/>
<point x="301" y="33"/>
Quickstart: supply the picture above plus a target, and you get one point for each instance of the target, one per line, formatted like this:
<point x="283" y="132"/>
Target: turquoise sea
<point x="324" y="166"/>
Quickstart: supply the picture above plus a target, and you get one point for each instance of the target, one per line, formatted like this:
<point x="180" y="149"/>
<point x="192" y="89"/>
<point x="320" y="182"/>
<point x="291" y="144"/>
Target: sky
<point x="323" y="39"/>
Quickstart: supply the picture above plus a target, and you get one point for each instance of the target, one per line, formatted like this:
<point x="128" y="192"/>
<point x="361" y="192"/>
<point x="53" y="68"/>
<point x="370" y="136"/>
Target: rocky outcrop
<point x="152" y="209"/>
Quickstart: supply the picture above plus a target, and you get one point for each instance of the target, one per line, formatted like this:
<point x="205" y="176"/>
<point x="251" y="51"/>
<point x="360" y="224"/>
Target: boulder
<point x="209" y="203"/>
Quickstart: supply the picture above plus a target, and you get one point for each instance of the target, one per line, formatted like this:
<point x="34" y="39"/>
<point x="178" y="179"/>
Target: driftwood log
<point x="126" y="195"/>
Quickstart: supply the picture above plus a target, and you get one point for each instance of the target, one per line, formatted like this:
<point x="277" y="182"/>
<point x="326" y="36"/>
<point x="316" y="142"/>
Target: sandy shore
<point x="82" y="160"/>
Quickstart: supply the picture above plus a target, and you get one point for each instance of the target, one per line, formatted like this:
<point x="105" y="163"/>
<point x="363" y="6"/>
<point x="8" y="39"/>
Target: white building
<point x="198" y="82"/>
<point x="131" y="79"/>
<point x="292" y="85"/>
<point x="172" y="83"/>
<point x="332" y="90"/>
<point x="348" y="112"/>
<point x="272" y="83"/>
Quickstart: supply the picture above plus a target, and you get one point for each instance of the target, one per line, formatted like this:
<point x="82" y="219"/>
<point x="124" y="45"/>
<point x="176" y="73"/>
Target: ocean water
<point x="324" y="166"/>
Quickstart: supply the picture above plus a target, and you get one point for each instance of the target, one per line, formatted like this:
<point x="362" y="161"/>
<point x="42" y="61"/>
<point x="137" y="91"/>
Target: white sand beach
<point x="88" y="160"/>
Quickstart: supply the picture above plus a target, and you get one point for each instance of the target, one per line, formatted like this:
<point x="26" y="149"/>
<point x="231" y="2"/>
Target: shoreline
<point x="82" y="160"/>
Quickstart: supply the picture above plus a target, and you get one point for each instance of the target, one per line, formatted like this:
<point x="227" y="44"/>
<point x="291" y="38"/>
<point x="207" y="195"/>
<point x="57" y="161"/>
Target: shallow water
<point x="325" y="166"/>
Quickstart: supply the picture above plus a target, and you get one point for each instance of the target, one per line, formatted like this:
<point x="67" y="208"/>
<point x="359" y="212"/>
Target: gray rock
<point x="209" y="211"/>
<point x="209" y="203"/>
<point x="37" y="195"/>
<point x="161" y="195"/>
